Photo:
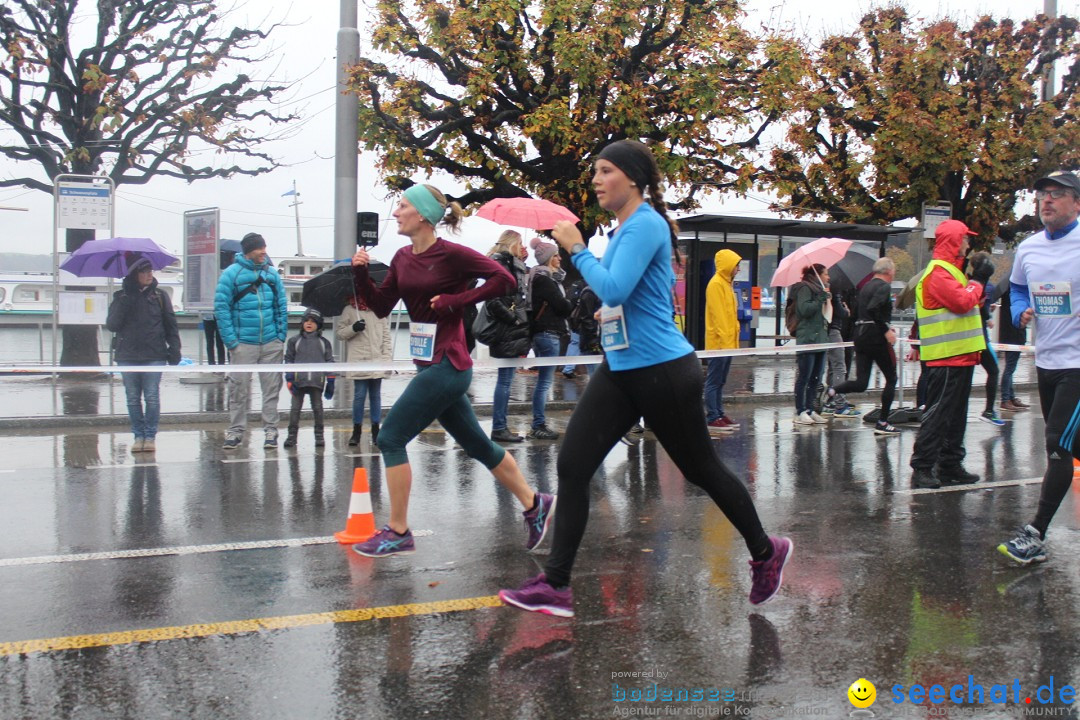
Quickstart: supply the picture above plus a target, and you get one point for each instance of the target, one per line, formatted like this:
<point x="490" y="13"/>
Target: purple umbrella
<point x="113" y="257"/>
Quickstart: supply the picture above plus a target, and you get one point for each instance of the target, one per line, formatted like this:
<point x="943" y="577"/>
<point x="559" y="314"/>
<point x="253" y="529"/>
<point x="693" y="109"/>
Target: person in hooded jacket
<point x="721" y="333"/>
<point x="306" y="348"/>
<point x="251" y="308"/>
<point x="951" y="340"/>
<point x="513" y="342"/>
<point x="146" y="334"/>
<point x="367" y="339"/>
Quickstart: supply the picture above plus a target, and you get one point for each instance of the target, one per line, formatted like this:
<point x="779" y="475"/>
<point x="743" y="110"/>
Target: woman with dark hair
<point x="650" y="371"/>
<point x="433" y="277"/>
<point x="811" y="298"/>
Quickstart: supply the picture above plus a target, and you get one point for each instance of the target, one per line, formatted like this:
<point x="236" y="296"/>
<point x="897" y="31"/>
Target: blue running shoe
<point x="848" y="411"/>
<point x="991" y="417"/>
<point x="1027" y="547"/>
<point x="536" y="595"/>
<point x="538" y="519"/>
<point x="386" y="542"/>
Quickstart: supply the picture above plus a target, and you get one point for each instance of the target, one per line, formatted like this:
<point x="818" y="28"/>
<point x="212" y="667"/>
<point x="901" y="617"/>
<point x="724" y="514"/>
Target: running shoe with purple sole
<point x="538" y="519"/>
<point x="767" y="575"/>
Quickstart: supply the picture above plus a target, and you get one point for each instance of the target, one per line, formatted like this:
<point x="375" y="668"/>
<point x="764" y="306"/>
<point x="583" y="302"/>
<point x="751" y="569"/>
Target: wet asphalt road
<point x="898" y="587"/>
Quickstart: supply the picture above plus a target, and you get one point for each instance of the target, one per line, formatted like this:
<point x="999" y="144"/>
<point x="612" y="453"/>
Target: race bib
<point x="1052" y="299"/>
<point x="613" y="335"/>
<point x="422" y="341"/>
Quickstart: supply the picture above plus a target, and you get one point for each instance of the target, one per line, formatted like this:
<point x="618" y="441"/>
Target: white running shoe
<point x="814" y="417"/>
<point x="804" y="418"/>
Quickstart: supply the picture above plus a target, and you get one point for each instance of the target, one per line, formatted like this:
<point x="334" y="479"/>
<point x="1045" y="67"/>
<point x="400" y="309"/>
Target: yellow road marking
<point x="237" y="627"/>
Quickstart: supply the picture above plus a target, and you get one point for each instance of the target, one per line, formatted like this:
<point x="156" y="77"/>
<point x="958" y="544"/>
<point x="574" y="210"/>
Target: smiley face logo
<point x="862" y="693"/>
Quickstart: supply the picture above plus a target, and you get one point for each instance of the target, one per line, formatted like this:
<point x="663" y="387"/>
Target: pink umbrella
<point x="823" y="251"/>
<point x="525" y="212"/>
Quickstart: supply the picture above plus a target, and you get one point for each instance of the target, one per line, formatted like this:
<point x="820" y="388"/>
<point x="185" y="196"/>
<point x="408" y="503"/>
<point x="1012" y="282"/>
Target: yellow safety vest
<point x="943" y="333"/>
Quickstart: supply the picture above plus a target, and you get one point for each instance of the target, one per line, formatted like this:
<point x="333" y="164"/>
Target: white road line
<point x="179" y="550"/>
<point x="969" y="486"/>
<point x="119" y="466"/>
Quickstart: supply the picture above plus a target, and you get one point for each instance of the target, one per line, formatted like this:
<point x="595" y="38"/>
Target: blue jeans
<point x="367" y="388"/>
<point x="572" y="349"/>
<point x="1011" y="359"/>
<point x="501" y="402"/>
<point x="139" y="387"/>
<point x="715" y="377"/>
<point x="810" y="367"/>
<point x="544" y="344"/>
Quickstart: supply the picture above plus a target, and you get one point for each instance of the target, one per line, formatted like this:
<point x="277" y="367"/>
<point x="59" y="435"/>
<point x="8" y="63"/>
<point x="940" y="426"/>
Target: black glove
<point x="981" y="270"/>
<point x="359" y="325"/>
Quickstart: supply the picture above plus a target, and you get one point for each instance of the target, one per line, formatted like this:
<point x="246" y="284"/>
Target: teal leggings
<point x="437" y="392"/>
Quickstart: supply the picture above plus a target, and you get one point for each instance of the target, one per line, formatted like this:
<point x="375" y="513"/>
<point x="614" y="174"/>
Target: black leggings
<point x="865" y="355"/>
<point x="668" y="396"/>
<point x="1059" y="395"/>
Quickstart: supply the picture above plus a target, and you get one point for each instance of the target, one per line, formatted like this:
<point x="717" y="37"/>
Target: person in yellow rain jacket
<point x="721" y="333"/>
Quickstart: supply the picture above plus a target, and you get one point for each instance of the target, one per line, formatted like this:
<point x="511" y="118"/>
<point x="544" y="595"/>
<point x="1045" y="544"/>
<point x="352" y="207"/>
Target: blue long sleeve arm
<point x="1019" y="301"/>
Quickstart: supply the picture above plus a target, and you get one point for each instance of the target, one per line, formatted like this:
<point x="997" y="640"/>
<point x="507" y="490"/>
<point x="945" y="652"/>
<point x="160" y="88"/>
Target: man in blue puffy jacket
<point x="252" y="315"/>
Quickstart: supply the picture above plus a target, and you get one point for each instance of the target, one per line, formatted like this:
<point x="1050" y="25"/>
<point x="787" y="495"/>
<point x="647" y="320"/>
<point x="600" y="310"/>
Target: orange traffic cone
<point x="361" y="523"/>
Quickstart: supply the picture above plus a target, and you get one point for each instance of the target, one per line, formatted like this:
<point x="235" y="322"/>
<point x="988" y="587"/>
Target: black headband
<point x="633" y="158"/>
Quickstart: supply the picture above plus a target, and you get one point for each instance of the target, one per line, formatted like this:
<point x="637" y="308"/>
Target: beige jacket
<point x="370" y="344"/>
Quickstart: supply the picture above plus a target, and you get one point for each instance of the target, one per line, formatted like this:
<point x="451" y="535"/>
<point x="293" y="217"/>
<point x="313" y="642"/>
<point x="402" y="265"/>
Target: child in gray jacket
<point x="304" y="349"/>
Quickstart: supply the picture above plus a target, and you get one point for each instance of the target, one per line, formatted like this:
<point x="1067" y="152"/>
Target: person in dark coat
<point x="142" y="317"/>
<point x="513" y="342"/>
<point x="1009" y="334"/>
<point x="548" y="310"/>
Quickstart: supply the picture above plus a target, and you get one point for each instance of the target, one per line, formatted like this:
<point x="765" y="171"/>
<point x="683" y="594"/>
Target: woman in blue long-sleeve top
<point x="650" y="371"/>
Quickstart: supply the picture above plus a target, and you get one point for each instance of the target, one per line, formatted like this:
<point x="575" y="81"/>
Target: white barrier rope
<point x="401" y="366"/>
<point x="407" y="366"/>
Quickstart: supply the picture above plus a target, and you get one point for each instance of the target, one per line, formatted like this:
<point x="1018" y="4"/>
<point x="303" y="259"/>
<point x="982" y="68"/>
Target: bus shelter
<point x="761" y="243"/>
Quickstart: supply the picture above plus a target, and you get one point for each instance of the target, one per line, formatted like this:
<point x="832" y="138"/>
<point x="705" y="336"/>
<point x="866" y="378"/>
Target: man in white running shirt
<point x="1045" y="287"/>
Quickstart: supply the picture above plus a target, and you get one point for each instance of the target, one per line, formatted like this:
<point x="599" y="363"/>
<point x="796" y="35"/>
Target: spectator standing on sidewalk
<point x="721" y="333"/>
<point x="514" y="340"/>
<point x="305" y="348"/>
<point x="549" y="309"/>
<point x="811" y="299"/>
<point x="252" y="313"/>
<point x="1046" y="272"/>
<point x="1009" y="334"/>
<point x="951" y="336"/>
<point x="367" y="339"/>
<point x="980" y="269"/>
<point x="146" y="334"/>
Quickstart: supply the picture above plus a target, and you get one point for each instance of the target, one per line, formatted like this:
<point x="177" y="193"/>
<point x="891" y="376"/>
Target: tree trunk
<point x="80" y="345"/>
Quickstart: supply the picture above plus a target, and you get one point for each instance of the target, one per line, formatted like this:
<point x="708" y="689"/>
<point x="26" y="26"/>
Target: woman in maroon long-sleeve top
<point x="433" y="277"/>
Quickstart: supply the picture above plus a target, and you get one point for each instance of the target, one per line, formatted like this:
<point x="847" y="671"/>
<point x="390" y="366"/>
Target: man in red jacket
<point x="950" y="329"/>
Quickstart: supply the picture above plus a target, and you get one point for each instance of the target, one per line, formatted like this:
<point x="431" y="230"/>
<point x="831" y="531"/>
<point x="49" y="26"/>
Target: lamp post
<point x="345" y="132"/>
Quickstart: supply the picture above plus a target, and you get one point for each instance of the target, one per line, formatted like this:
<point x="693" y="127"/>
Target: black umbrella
<point x="227" y="251"/>
<point x="856" y="265"/>
<point x="329" y="292"/>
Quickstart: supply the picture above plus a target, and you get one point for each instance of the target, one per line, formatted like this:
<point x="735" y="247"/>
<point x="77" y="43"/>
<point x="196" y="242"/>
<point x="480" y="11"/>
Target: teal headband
<point x="425" y="203"/>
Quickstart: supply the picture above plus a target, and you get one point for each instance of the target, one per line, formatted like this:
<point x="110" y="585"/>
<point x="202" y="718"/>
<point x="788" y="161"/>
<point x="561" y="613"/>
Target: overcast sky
<point x="306" y="53"/>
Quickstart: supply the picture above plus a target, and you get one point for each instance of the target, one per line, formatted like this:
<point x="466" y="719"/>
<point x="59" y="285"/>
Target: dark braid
<point x="656" y="199"/>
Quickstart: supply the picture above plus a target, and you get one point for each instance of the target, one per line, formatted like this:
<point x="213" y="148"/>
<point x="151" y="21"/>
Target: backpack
<point x="791" y="314"/>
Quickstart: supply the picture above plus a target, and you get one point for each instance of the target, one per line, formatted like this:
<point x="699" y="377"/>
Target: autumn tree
<point x="133" y="89"/>
<point x="905" y="264"/>
<point x="516" y="98"/>
<point x="899" y="113"/>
